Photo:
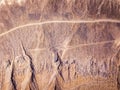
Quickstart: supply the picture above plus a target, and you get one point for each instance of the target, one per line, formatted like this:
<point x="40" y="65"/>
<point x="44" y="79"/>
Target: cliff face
<point x="60" y="45"/>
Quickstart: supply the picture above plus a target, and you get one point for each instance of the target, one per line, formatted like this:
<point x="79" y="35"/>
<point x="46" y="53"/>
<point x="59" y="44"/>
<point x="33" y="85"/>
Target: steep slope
<point x="59" y="45"/>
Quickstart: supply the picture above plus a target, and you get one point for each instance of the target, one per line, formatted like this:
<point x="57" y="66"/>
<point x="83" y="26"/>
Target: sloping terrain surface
<point x="59" y="45"/>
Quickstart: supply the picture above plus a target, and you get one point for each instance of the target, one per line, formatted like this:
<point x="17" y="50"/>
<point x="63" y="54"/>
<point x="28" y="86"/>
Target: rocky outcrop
<point x="59" y="45"/>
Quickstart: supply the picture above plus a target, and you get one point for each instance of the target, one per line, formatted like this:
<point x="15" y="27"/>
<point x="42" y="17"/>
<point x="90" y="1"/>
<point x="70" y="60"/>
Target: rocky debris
<point x="8" y="84"/>
<point x="59" y="45"/>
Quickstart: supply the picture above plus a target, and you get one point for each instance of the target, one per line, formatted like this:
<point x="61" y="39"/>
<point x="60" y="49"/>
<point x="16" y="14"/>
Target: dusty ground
<point x="60" y="45"/>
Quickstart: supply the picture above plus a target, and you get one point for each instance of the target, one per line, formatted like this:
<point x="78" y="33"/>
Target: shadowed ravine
<point x="59" y="45"/>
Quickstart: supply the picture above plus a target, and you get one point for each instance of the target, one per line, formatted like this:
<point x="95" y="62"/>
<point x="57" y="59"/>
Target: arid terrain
<point x="59" y="44"/>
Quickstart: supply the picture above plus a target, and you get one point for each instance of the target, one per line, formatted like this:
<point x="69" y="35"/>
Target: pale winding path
<point x="60" y="21"/>
<point x="65" y="21"/>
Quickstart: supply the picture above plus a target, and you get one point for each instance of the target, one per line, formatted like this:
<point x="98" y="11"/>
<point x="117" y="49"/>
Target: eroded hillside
<point x="60" y="45"/>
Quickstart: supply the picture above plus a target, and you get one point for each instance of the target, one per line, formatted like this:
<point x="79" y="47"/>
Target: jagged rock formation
<point x="60" y="45"/>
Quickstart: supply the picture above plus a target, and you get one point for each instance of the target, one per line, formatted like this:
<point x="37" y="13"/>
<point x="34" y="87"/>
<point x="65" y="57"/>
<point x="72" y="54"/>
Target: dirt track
<point x="69" y="21"/>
